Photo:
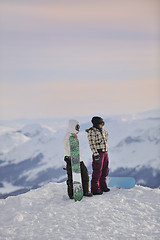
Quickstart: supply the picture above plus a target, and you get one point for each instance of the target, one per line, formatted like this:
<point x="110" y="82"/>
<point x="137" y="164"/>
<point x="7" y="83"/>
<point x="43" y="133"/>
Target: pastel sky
<point x="70" y="58"/>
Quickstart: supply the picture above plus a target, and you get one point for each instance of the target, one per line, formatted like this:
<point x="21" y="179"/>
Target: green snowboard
<point x="76" y="170"/>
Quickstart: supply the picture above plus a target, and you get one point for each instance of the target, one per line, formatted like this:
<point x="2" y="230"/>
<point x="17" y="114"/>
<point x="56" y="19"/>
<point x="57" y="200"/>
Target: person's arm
<point x="92" y="138"/>
<point x="66" y="145"/>
<point x="106" y="135"/>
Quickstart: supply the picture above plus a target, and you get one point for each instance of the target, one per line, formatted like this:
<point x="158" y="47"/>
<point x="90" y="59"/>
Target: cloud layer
<point x="96" y="51"/>
<point x="72" y="99"/>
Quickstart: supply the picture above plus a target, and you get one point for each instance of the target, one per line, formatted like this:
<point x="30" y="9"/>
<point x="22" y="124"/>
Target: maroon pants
<point x="100" y="172"/>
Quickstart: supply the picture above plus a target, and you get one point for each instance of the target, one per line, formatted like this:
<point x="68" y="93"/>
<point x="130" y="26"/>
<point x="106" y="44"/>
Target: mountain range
<point x="31" y="151"/>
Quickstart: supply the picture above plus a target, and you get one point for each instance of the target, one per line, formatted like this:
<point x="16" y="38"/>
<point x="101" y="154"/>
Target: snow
<point x="36" y="139"/>
<point x="48" y="213"/>
<point x="9" y="187"/>
<point x="11" y="140"/>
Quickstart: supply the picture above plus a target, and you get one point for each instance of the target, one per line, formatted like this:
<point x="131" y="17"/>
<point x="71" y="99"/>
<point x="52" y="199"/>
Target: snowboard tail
<point x="77" y="191"/>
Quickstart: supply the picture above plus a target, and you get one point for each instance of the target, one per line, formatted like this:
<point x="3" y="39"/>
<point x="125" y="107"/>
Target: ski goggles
<point x="101" y="123"/>
<point x="77" y="127"/>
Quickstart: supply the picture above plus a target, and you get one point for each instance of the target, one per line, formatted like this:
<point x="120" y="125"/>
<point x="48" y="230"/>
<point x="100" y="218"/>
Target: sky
<point x="70" y="58"/>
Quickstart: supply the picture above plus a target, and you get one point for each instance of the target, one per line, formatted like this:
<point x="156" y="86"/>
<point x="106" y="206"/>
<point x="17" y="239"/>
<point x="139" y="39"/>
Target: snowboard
<point x="76" y="170"/>
<point x="120" y="182"/>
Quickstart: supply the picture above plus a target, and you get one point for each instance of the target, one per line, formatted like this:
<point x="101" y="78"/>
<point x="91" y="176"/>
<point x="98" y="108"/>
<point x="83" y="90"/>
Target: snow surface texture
<point x="47" y="213"/>
<point x="31" y="152"/>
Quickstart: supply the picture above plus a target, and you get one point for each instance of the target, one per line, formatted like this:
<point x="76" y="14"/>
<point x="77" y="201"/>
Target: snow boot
<point x="99" y="192"/>
<point x="88" y="194"/>
<point x="106" y="190"/>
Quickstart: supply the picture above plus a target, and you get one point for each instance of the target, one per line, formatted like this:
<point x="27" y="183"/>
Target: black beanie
<point x="97" y="121"/>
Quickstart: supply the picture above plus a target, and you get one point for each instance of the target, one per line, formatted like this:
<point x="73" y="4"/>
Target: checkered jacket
<point x="97" y="140"/>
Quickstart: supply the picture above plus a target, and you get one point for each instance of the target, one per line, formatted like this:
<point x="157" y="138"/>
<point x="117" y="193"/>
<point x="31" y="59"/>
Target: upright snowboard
<point x="76" y="170"/>
<point x="120" y="182"/>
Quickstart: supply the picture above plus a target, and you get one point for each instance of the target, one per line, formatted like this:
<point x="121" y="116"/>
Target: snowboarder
<point x="98" y="137"/>
<point x="73" y="129"/>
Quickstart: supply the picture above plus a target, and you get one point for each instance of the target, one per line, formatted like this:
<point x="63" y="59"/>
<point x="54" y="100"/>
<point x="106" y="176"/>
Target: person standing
<point x="73" y="130"/>
<point x="98" y="137"/>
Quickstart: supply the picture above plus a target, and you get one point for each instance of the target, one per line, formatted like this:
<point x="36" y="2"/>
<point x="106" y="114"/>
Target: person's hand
<point x="67" y="159"/>
<point x="97" y="159"/>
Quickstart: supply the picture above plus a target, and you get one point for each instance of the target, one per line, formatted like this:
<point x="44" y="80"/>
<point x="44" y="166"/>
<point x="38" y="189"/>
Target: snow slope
<point x="47" y="213"/>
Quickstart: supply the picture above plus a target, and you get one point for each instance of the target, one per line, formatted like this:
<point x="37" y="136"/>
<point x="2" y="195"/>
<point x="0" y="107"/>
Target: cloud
<point x="71" y="99"/>
<point x="40" y="38"/>
<point x="124" y="15"/>
<point x="56" y="54"/>
<point x="112" y="61"/>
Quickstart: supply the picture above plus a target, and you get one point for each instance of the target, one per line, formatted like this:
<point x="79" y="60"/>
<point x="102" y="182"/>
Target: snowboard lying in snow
<point x="120" y="182"/>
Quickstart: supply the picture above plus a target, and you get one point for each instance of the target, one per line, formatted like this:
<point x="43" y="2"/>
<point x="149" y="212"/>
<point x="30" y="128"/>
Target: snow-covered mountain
<point x="47" y="213"/>
<point x="30" y="157"/>
<point x="31" y="152"/>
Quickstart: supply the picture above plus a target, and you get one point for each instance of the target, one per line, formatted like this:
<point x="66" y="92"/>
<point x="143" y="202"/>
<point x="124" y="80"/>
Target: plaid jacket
<point x="97" y="140"/>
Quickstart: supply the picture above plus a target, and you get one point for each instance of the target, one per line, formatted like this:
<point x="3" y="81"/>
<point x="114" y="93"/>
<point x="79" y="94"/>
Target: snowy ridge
<point x="11" y="140"/>
<point x="47" y="213"/>
<point x="145" y="142"/>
